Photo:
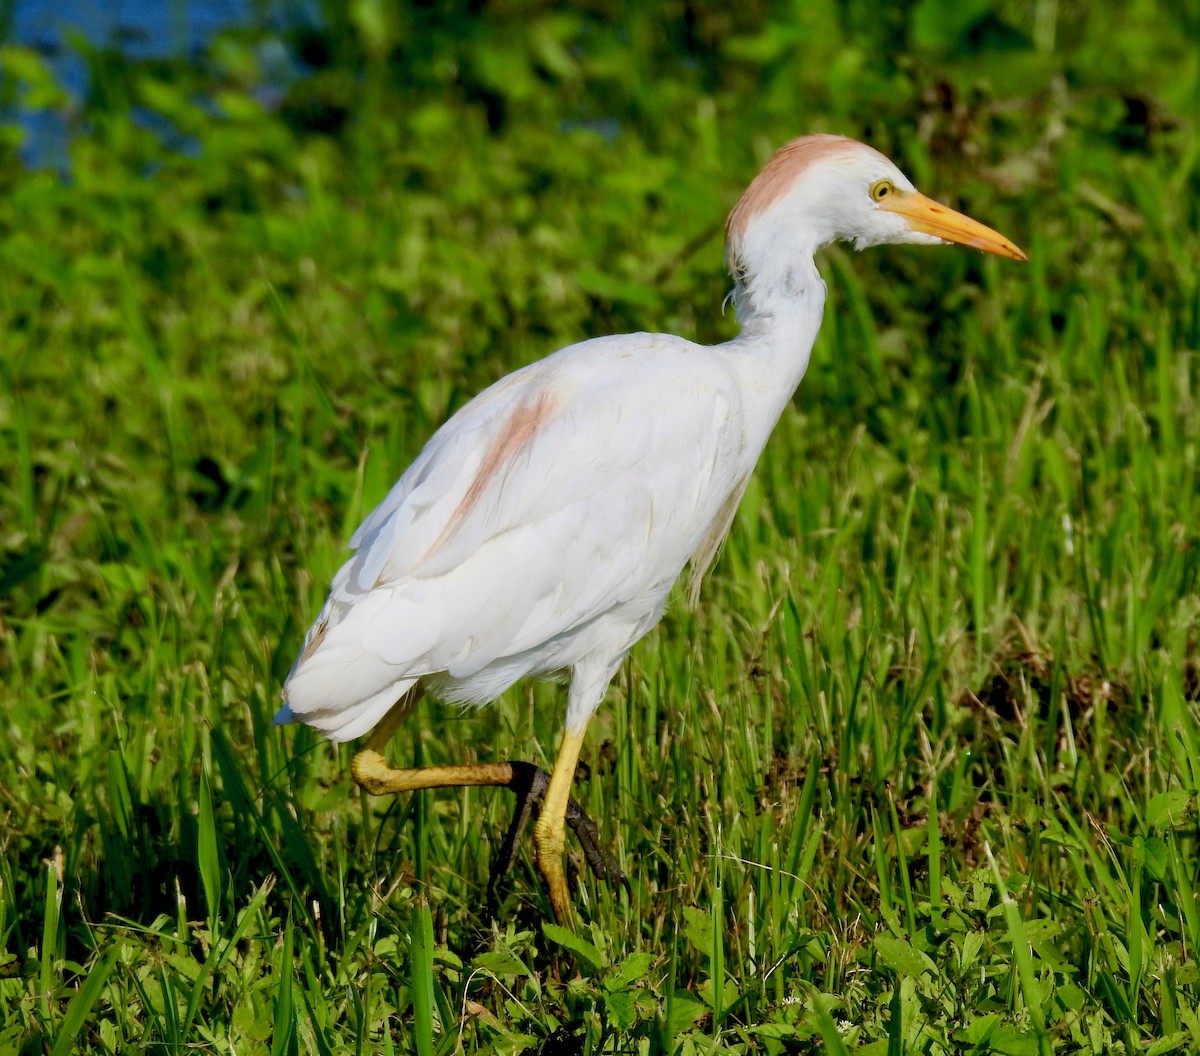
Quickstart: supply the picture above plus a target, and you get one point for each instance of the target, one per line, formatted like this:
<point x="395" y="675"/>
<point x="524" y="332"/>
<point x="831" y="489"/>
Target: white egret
<point x="541" y="529"/>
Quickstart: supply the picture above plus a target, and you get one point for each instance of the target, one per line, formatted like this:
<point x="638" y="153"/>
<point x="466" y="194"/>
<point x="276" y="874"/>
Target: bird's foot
<point x="530" y="784"/>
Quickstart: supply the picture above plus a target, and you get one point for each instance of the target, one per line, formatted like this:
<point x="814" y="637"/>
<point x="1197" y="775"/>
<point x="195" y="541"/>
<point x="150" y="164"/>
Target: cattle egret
<point x="541" y="529"/>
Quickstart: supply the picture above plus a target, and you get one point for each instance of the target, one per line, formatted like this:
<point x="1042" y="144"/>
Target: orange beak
<point x="932" y="218"/>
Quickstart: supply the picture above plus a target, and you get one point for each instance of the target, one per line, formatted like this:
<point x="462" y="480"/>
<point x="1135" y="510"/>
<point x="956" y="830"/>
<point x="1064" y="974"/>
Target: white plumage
<point x="541" y="527"/>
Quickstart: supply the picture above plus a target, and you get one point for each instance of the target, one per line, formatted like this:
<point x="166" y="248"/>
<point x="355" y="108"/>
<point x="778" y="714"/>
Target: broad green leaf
<point x="901" y="957"/>
<point x="1169" y="809"/>
<point x="699" y="929"/>
<point x="621" y="1008"/>
<point x="582" y="949"/>
<point x="1180" y="1040"/>
<point x="632" y="969"/>
<point x="685" y="1010"/>
<point x="503" y="964"/>
<point x="989" y="1033"/>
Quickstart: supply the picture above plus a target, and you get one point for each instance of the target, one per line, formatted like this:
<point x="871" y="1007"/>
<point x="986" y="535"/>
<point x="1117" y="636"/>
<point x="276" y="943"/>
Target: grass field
<point x="917" y="774"/>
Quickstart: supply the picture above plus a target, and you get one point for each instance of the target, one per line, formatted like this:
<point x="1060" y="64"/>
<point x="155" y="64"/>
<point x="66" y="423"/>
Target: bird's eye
<point x="881" y="189"/>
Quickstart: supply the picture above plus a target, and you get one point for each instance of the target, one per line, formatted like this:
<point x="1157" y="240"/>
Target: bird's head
<point x="820" y="189"/>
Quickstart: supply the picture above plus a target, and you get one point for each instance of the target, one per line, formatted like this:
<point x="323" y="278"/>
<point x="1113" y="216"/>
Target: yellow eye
<point x="881" y="189"/>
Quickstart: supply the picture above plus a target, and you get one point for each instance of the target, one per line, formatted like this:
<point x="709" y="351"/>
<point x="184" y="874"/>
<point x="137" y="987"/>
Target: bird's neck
<point x="780" y="320"/>
<point x="771" y="291"/>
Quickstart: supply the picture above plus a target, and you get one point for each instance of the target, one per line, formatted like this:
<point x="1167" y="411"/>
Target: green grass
<point x="919" y="772"/>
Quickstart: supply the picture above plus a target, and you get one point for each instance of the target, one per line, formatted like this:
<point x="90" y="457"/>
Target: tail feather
<point x="346" y="722"/>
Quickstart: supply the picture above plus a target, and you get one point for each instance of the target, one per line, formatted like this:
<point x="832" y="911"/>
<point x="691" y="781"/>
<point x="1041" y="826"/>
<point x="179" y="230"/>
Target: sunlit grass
<point x="917" y="774"/>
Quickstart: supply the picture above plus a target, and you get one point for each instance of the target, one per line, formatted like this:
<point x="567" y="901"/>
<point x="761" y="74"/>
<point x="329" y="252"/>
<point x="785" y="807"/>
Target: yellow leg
<point x="373" y="773"/>
<point x="548" y="835"/>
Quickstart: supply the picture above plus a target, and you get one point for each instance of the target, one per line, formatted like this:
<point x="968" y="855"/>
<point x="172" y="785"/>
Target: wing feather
<point x="565" y="491"/>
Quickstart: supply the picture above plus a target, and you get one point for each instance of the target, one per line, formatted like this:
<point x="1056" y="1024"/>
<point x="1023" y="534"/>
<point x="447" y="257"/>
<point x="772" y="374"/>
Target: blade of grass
<point x="283" y="1038"/>
<point x="717" y="961"/>
<point x="910" y="912"/>
<point x="933" y="853"/>
<point x="83" y="1002"/>
<point x="421" y="976"/>
<point x="1022" y="954"/>
<point x="50" y="927"/>
<point x="206" y="855"/>
<point x="830" y="1034"/>
<point x="221" y="952"/>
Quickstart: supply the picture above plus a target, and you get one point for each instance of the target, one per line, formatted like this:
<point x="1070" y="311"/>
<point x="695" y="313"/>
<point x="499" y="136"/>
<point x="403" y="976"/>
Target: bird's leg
<point x="529" y="783"/>
<point x="548" y="836"/>
<point x="602" y="862"/>
<point x="372" y="772"/>
<point x="374" y="775"/>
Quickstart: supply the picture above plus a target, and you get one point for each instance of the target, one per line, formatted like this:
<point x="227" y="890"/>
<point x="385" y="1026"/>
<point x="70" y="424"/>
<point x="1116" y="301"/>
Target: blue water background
<point x="141" y="29"/>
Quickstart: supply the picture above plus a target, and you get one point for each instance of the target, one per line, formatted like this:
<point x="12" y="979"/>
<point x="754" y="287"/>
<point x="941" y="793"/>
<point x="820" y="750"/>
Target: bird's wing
<point x="570" y="488"/>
